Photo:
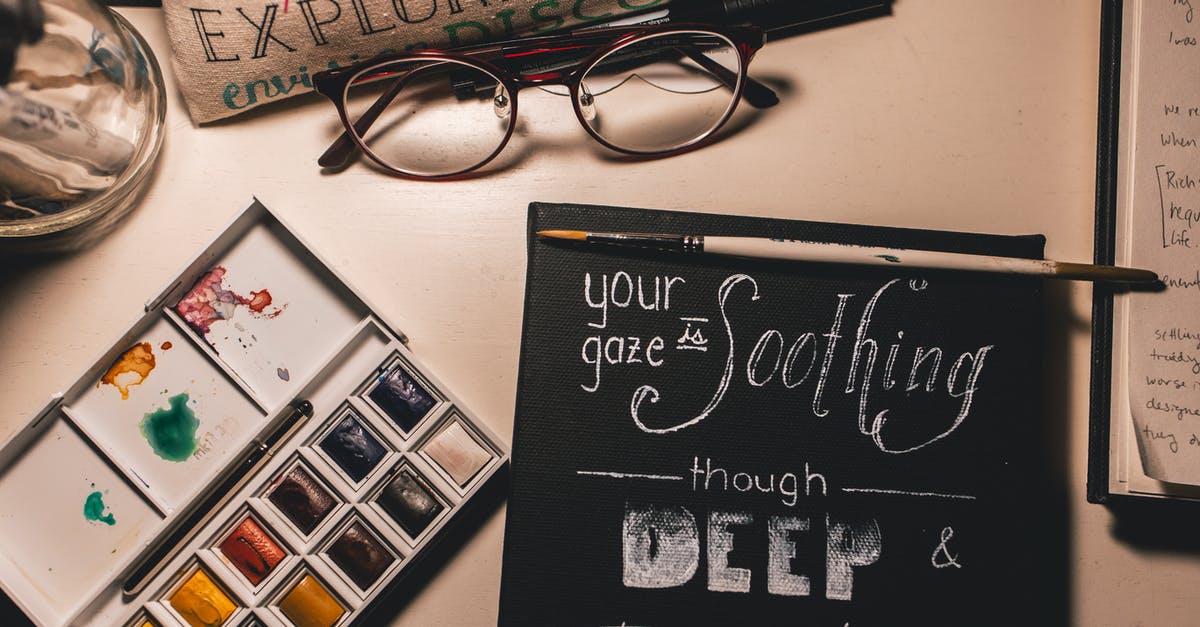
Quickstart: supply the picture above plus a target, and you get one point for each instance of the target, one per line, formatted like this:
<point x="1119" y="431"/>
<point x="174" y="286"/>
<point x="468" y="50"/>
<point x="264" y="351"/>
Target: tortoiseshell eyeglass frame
<point x="506" y="60"/>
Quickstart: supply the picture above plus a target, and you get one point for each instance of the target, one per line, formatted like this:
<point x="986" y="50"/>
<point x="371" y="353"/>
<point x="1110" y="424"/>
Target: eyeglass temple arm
<point x="343" y="147"/>
<point x="757" y="94"/>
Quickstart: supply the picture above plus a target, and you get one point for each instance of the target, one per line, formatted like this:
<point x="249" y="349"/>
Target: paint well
<point x="252" y="551"/>
<point x="45" y="534"/>
<point x="353" y="448"/>
<point x="256" y="345"/>
<point x="360" y="555"/>
<point x="227" y="417"/>
<point x="302" y="499"/>
<point x="130" y="369"/>
<point x="459" y="454"/>
<point x="201" y="602"/>
<point x="171" y="431"/>
<point x="309" y="604"/>
<point x="401" y="398"/>
<point x="410" y="501"/>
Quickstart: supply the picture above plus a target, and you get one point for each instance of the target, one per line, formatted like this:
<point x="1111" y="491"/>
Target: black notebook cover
<point x="1104" y="250"/>
<point x="691" y="447"/>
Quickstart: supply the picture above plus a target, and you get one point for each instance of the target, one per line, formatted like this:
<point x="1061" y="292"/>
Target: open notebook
<point x="1146" y="347"/>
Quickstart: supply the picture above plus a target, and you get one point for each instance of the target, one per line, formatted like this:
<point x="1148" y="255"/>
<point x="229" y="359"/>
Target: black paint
<point x="353" y="448"/>
<point x="360" y="555"/>
<point x="410" y="502"/>
<point x="402" y="398"/>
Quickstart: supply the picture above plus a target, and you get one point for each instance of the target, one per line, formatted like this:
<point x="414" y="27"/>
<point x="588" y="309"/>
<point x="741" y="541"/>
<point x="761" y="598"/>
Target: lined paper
<point x="1164" y="226"/>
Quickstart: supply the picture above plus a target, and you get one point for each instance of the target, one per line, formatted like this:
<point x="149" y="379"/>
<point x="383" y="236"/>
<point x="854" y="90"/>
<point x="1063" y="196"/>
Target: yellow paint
<point x="131" y="369"/>
<point x="201" y="602"/>
<point x="309" y="604"/>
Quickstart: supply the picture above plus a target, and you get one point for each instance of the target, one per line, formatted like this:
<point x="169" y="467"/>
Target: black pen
<point x="190" y="521"/>
<point x="777" y="17"/>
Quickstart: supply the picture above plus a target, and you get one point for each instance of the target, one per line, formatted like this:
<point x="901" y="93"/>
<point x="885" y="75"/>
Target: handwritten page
<point x="1164" y="196"/>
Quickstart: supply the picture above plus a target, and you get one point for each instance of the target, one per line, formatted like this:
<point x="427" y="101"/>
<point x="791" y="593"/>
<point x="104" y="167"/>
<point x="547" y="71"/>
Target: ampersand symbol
<point x="946" y="558"/>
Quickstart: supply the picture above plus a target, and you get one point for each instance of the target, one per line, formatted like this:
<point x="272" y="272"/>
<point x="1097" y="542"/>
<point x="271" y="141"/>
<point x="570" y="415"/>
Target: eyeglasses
<point x="651" y="91"/>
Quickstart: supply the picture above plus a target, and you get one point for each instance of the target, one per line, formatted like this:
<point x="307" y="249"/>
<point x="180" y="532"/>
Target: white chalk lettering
<point x="721" y="576"/>
<point x="619" y="291"/>
<point x="808" y="339"/>
<point x="647" y="392"/>
<point x="848" y="545"/>
<point x="598" y="351"/>
<point x="781" y="551"/>
<point x="967" y="394"/>
<point x="785" y="484"/>
<point x="757" y="354"/>
<point x="602" y="305"/>
<point x="767" y="358"/>
<point x="660" y="548"/>
<point x="832" y="336"/>
<point x="616" y="284"/>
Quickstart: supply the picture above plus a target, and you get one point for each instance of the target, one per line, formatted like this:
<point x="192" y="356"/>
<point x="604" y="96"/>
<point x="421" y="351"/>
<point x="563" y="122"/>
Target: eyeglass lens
<point x="429" y="117"/>
<point x="436" y="117"/>
<point x="660" y="93"/>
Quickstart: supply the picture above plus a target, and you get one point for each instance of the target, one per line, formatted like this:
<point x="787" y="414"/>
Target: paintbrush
<point x="819" y="252"/>
<point x="191" y="520"/>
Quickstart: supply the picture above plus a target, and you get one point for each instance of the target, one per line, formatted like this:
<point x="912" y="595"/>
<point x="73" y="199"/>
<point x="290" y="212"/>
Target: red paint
<point x="252" y="551"/>
<point x="210" y="300"/>
<point x="258" y="300"/>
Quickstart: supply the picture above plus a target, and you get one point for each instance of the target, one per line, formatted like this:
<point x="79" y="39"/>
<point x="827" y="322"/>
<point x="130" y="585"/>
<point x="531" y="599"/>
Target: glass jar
<point x="81" y="123"/>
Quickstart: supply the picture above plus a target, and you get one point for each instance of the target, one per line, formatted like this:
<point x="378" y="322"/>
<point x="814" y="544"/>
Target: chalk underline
<point x="638" y="475"/>
<point x="943" y="495"/>
<point x="628" y="475"/>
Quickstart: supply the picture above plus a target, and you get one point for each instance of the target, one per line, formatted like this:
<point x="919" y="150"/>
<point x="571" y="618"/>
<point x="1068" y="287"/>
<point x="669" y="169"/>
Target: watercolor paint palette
<point x="326" y="525"/>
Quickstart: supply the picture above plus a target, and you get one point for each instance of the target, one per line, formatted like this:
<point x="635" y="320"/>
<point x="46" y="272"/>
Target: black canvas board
<point x="810" y="515"/>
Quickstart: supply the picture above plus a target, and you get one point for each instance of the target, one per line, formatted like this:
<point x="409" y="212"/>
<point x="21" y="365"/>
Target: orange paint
<point x="166" y="346"/>
<point x="131" y="369"/>
<point x="259" y="300"/>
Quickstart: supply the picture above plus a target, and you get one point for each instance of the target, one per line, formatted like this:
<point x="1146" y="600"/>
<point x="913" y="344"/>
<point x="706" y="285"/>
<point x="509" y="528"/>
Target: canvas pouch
<point x="231" y="56"/>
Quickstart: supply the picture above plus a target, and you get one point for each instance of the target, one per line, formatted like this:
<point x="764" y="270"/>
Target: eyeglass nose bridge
<point x="544" y="78"/>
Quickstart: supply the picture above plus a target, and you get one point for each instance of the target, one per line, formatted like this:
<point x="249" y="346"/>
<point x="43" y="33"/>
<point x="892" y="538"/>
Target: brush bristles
<point x="578" y="236"/>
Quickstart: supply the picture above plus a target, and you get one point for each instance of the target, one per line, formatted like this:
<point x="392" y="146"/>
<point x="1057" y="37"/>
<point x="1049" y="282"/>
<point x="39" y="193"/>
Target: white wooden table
<point x="946" y="115"/>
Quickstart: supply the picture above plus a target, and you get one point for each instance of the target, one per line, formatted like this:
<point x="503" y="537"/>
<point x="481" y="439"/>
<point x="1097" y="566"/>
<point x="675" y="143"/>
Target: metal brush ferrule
<point x="693" y="243"/>
<point x="656" y="241"/>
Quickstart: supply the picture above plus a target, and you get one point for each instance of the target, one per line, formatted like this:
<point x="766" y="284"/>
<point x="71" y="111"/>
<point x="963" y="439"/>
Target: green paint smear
<point x="171" y="432"/>
<point x="891" y="258"/>
<point x="93" y="509"/>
